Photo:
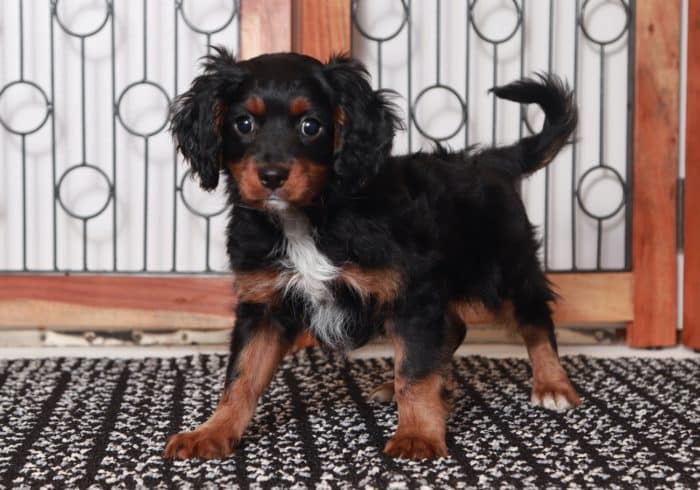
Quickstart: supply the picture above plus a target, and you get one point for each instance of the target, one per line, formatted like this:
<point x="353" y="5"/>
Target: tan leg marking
<point x="216" y="437"/>
<point x="385" y="392"/>
<point x="305" y="339"/>
<point x="551" y="388"/>
<point x="422" y="412"/>
<point x="262" y="286"/>
<point x="382" y="284"/>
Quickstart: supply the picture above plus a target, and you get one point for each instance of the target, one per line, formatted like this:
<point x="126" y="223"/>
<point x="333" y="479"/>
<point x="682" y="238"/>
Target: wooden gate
<point x="645" y="299"/>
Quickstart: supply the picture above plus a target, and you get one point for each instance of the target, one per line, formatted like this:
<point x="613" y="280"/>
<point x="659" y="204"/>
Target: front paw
<point x="558" y="395"/>
<point x="205" y="443"/>
<point x="415" y="446"/>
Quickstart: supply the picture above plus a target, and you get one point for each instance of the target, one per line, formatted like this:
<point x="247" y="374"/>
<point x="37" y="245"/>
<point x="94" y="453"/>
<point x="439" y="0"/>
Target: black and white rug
<point x="70" y="423"/>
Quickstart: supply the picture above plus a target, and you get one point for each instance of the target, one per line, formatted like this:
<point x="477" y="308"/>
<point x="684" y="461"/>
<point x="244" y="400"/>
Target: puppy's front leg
<point x="257" y="346"/>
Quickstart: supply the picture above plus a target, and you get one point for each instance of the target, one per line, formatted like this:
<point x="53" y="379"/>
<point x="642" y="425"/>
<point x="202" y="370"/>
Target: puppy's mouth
<point x="275" y="203"/>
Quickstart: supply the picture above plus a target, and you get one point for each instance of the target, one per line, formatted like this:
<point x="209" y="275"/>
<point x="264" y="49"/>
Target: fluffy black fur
<point x="452" y="223"/>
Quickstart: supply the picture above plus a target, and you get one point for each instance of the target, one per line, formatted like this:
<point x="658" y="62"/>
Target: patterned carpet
<point x="82" y="422"/>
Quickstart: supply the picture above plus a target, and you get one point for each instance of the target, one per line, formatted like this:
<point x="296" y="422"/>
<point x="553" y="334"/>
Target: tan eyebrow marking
<point x="299" y="105"/>
<point x="255" y="105"/>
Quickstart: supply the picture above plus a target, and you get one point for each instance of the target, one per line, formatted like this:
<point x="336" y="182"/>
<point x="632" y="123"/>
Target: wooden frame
<point x="266" y="27"/>
<point x="322" y="27"/>
<point x="116" y="302"/>
<point x="691" y="272"/>
<point x="657" y="44"/>
<point x="119" y="302"/>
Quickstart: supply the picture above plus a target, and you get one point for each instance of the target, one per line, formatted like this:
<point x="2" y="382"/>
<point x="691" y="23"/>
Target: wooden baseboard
<point x="128" y="302"/>
<point x="116" y="302"/>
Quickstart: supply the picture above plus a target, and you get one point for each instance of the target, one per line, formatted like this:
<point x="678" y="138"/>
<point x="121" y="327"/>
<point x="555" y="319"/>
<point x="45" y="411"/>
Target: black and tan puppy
<point x="330" y="234"/>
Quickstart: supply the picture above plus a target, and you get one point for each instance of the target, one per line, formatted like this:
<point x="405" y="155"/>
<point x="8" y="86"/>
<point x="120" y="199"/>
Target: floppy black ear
<point x="365" y="123"/>
<point x="196" y="115"/>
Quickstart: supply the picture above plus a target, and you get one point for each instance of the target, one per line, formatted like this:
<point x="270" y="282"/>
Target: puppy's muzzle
<point x="273" y="177"/>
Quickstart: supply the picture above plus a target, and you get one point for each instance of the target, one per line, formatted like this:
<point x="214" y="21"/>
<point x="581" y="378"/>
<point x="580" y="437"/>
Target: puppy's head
<point x="285" y="127"/>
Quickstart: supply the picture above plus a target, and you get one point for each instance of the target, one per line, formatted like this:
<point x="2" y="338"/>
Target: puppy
<point x="330" y="234"/>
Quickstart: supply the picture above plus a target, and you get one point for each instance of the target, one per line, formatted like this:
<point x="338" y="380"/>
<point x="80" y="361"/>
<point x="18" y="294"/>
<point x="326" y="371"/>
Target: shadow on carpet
<point x="82" y="422"/>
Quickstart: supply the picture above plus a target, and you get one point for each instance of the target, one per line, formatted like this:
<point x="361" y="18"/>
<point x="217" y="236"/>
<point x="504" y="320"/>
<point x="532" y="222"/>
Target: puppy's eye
<point x="244" y="125"/>
<point x="310" y="127"/>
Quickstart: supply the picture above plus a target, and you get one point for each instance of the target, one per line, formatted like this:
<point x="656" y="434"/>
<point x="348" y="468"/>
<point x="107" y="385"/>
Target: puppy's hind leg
<point x="421" y="385"/>
<point x="551" y="387"/>
<point x="385" y="392"/>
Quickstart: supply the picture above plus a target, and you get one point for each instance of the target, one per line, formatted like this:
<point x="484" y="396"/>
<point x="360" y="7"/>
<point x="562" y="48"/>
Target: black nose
<point x="274" y="177"/>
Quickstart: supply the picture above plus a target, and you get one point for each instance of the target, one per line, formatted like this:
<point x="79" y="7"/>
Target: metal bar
<point x="207" y="245"/>
<point x="522" y="73"/>
<point x="24" y="202"/>
<point x="601" y="114"/>
<point x="114" y="135"/>
<point x="601" y="146"/>
<point x="379" y="64"/>
<point x="54" y="245"/>
<point x="145" y="40"/>
<point x="547" y="238"/>
<point x="437" y="42"/>
<point x="145" y="203"/>
<point x="494" y="99"/>
<point x="85" y="267"/>
<point x="409" y="87"/>
<point x="629" y="177"/>
<point x="599" y="244"/>
<point x="574" y="147"/>
<point x="24" y="143"/>
<point x="83" y="117"/>
<point x="21" y="40"/>
<point x="176" y="189"/>
<point x="467" y="75"/>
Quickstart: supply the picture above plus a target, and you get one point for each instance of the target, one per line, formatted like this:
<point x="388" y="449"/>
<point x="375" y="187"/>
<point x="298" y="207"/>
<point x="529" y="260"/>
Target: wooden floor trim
<point x="126" y="302"/>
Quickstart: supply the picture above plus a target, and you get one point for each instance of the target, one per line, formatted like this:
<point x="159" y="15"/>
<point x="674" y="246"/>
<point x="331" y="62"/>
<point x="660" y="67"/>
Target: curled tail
<point x="557" y="101"/>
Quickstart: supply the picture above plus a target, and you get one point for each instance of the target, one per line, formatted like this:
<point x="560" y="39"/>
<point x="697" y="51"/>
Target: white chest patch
<point x="309" y="275"/>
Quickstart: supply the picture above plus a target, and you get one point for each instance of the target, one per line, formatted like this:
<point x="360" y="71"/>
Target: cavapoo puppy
<point x="329" y="234"/>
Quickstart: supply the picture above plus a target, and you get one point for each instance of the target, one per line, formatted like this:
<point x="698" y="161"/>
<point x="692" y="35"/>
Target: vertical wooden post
<point x="657" y="44"/>
<point x="322" y="27"/>
<point x="691" y="272"/>
<point x="266" y="27"/>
